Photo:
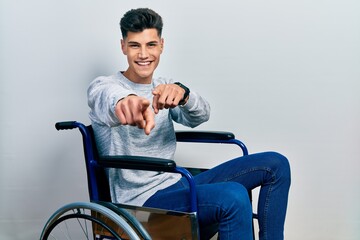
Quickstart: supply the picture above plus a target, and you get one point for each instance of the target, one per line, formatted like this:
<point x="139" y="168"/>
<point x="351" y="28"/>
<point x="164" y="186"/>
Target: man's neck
<point x="137" y="79"/>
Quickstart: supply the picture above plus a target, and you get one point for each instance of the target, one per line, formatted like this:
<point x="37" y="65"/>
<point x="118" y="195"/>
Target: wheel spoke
<point x="78" y="221"/>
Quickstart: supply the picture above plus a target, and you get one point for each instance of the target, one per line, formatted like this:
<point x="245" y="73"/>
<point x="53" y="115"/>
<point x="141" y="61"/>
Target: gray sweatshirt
<point x="112" y="138"/>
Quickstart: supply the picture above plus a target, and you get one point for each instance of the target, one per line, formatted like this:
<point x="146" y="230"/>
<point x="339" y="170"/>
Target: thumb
<point x="144" y="104"/>
<point x="155" y="103"/>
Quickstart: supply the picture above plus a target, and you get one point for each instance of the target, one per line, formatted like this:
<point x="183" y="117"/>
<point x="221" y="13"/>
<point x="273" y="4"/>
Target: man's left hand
<point x="167" y="96"/>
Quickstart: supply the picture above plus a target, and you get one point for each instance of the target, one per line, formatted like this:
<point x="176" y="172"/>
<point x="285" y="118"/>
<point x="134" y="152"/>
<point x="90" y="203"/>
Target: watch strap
<point x="186" y="94"/>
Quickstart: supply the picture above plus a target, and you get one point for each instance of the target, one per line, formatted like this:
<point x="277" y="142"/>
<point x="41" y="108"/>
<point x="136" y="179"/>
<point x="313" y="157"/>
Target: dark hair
<point x="137" y="20"/>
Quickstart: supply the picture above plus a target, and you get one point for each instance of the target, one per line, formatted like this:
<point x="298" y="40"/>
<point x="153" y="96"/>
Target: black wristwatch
<point x="186" y="94"/>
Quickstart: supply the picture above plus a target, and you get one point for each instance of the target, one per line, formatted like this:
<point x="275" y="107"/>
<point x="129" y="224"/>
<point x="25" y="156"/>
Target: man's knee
<point x="279" y="164"/>
<point x="228" y="206"/>
<point x="235" y="197"/>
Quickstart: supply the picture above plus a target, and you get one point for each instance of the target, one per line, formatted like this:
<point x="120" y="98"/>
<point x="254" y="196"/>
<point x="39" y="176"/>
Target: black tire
<point x="79" y="221"/>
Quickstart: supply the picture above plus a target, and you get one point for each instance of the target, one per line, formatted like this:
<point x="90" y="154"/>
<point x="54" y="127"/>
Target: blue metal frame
<point x="89" y="155"/>
<point x="189" y="177"/>
<point x="230" y="141"/>
<point x="91" y="163"/>
<point x="192" y="187"/>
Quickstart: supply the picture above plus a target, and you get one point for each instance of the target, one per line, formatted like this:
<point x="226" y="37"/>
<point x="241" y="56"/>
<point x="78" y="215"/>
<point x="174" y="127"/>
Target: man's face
<point x="143" y="50"/>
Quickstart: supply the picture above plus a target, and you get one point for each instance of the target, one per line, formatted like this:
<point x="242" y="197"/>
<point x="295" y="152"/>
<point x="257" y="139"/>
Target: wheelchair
<point x="102" y="219"/>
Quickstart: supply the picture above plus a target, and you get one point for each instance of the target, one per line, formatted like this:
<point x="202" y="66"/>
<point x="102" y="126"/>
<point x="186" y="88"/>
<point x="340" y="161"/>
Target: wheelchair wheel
<point x="87" y="221"/>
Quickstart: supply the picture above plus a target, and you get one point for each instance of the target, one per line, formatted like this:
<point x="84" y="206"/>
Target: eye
<point x="152" y="44"/>
<point x="132" y="45"/>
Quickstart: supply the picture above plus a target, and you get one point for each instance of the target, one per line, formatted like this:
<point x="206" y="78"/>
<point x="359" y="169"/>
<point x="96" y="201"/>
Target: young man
<point x="132" y="113"/>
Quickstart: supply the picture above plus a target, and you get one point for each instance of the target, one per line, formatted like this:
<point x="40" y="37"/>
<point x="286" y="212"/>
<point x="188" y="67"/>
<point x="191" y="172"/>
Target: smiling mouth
<point x="143" y="63"/>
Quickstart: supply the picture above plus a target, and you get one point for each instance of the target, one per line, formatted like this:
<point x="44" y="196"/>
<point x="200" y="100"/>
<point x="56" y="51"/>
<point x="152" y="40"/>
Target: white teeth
<point x="143" y="63"/>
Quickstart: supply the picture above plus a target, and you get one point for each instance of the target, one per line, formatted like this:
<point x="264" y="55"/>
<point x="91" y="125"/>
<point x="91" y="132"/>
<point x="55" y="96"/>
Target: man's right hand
<point x="135" y="111"/>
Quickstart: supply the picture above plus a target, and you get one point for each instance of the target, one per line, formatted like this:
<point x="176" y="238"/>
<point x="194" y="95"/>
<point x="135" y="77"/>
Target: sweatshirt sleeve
<point x="195" y="111"/>
<point x="103" y="94"/>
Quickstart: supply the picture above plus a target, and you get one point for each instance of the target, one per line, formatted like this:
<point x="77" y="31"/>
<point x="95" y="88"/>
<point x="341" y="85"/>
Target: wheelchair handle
<point x="65" y="125"/>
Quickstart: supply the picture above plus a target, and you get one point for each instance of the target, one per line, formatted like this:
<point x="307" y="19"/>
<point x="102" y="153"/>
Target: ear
<point x="123" y="47"/>
<point x="162" y="44"/>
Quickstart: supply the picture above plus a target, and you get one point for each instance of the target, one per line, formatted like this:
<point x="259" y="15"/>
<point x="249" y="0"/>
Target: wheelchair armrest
<point x="210" y="137"/>
<point x="138" y="163"/>
<point x="203" y="136"/>
<point x="150" y="164"/>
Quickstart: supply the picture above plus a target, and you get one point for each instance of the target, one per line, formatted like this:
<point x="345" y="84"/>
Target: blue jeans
<point x="223" y="202"/>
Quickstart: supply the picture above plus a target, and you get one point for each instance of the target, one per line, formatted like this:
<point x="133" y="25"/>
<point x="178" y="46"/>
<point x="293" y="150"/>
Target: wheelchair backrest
<point x="98" y="184"/>
<point x="96" y="177"/>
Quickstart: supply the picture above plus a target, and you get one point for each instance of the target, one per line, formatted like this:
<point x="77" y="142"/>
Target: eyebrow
<point x="133" y="42"/>
<point x="151" y="42"/>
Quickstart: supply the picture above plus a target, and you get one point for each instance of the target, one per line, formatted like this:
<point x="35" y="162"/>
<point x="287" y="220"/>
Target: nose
<point x="143" y="53"/>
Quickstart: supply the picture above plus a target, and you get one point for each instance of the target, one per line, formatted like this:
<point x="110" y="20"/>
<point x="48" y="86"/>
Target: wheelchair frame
<point x="100" y="197"/>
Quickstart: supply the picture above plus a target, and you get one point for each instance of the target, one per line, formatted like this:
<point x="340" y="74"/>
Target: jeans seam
<point x="250" y="170"/>
<point x="267" y="203"/>
<point x="266" y="206"/>
<point x="267" y="198"/>
<point x="222" y="210"/>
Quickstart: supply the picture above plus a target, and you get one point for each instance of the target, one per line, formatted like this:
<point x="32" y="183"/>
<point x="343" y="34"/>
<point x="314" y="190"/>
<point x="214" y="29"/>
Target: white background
<point x="282" y="75"/>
